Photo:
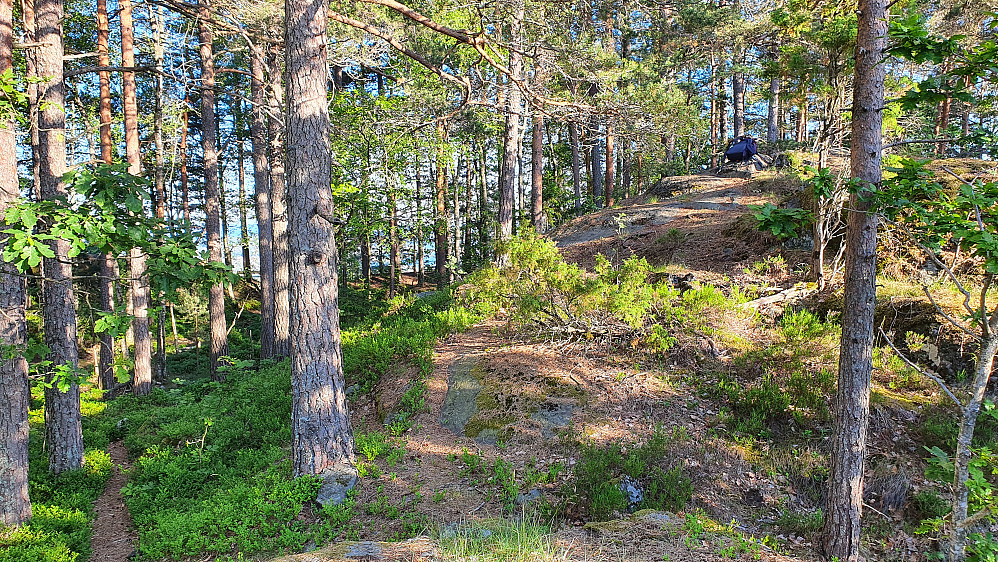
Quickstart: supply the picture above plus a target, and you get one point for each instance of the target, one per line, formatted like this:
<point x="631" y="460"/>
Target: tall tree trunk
<point x="278" y="209"/>
<point x="139" y="281"/>
<point x="212" y="197"/>
<point x="537" y="174"/>
<point x="393" y="245"/>
<point x="573" y="139"/>
<point x="159" y="174"/>
<point x="105" y="369"/>
<point x="802" y="121"/>
<point x="610" y="163"/>
<point x="738" y="100"/>
<point x="63" y="431"/>
<point x="965" y="438"/>
<point x="512" y="135"/>
<point x="185" y="201"/>
<point x="596" y="162"/>
<point x="159" y="177"/>
<point x="626" y="172"/>
<point x="261" y="188"/>
<point x="456" y="208"/>
<point x="483" y="207"/>
<point x="440" y="219"/>
<point x="852" y="404"/>
<point x="322" y="436"/>
<point x="243" y="207"/>
<point x="31" y="74"/>
<point x="712" y="92"/>
<point x="722" y="111"/>
<point x="468" y="190"/>
<point x="773" y="117"/>
<point x="104" y="59"/>
<point x="15" y="392"/>
<point x="420" y="258"/>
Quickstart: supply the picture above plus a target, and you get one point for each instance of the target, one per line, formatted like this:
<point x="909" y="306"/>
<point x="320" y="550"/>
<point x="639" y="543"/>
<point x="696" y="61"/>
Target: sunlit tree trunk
<point x="512" y="134"/>
<point x="773" y="117"/>
<point x="261" y="187"/>
<point x="159" y="178"/>
<point x="738" y="101"/>
<point x="139" y="281"/>
<point x="63" y="431"/>
<point x="216" y="293"/>
<point x="322" y="436"/>
<point x="243" y="212"/>
<point x="15" y="393"/>
<point x="31" y="75"/>
<point x="440" y="218"/>
<point x="278" y="209"/>
<point x="610" y="165"/>
<point x="573" y="139"/>
<point x="185" y="202"/>
<point x="105" y="369"/>
<point x="537" y="174"/>
<point x="852" y="399"/>
<point x="420" y="258"/>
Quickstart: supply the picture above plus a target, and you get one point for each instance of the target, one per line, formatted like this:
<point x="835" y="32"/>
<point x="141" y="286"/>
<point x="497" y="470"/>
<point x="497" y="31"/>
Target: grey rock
<point x="336" y="482"/>
<point x="462" y="391"/>
<point x="804" y="242"/>
<point x="553" y="417"/>
<point x="657" y="516"/>
<point x="530" y="496"/>
<point x="352" y="390"/>
<point x="632" y="489"/>
<point x="366" y="550"/>
<point x="488" y="436"/>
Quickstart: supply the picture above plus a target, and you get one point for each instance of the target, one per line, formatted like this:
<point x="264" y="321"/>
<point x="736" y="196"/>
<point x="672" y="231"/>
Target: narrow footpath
<point x="114" y="536"/>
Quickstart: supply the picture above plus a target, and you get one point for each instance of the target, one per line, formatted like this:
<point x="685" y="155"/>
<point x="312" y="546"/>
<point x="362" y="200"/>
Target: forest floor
<point x="113" y="538"/>
<point x="757" y="475"/>
<point x="513" y="441"/>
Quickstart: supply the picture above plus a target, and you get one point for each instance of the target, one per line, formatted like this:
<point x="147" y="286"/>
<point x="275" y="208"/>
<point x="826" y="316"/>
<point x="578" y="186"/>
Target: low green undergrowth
<point x="62" y="505"/>
<point x="211" y="471"/>
<point x="538" y="288"/>
<point x="595" y="488"/>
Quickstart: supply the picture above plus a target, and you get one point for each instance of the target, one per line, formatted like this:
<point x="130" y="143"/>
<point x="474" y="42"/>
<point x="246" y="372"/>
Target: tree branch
<point x="922" y="371"/>
<point x="919" y="141"/>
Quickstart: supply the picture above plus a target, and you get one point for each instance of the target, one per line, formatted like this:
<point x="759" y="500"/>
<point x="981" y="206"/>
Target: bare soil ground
<point x="113" y="533"/>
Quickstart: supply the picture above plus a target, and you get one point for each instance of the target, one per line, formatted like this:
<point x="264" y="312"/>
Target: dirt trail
<point x="113" y="535"/>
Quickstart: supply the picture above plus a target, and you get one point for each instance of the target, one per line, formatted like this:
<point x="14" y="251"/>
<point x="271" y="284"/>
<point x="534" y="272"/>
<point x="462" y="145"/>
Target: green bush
<point x="595" y="484"/>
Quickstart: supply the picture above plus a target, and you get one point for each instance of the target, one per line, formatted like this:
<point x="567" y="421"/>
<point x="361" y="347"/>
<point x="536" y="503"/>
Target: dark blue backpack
<point x="743" y="149"/>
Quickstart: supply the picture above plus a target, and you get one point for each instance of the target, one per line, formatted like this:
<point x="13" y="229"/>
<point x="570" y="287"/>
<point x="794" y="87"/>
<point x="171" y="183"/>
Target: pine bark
<point x="573" y="139"/>
<point x="512" y="133"/>
<point x="440" y="219"/>
<point x="139" y="280"/>
<point x="105" y="369"/>
<point x="773" y="117"/>
<point x="216" y="294"/>
<point x="104" y="59"/>
<point x="537" y="174"/>
<point x="278" y="208"/>
<point x="261" y="187"/>
<point x="243" y="214"/>
<point x="15" y="394"/>
<point x="63" y="432"/>
<point x="738" y="101"/>
<point x="322" y="435"/>
<point x="852" y="404"/>
<point x="420" y="258"/>
<point x="610" y="167"/>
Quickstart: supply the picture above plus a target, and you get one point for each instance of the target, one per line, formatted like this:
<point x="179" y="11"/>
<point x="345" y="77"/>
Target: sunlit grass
<point x="501" y="541"/>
